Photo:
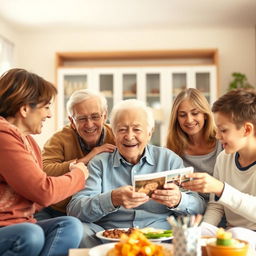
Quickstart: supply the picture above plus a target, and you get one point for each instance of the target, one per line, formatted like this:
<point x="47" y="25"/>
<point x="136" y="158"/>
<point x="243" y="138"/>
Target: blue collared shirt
<point x="109" y="171"/>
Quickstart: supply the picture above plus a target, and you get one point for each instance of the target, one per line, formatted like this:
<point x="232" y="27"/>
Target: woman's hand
<point x="80" y="166"/>
<point x="203" y="183"/>
<point x="169" y="196"/>
<point x="126" y="197"/>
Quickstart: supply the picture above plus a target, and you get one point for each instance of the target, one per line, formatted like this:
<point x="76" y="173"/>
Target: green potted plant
<point x="239" y="81"/>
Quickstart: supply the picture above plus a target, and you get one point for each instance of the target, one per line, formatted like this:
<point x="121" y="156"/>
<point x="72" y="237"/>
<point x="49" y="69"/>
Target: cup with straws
<point x="187" y="234"/>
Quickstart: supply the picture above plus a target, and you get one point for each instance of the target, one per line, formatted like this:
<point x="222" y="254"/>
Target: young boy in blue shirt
<point x="233" y="189"/>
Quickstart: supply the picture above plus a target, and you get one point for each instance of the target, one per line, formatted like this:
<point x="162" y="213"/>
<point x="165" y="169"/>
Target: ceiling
<point x="126" y="14"/>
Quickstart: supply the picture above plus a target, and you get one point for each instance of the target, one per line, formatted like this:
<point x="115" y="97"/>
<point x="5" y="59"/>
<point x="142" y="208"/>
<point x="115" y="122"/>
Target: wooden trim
<point x="216" y="62"/>
<point x="61" y="57"/>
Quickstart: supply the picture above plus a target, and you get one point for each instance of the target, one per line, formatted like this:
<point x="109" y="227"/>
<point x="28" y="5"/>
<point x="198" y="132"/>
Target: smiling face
<point x="190" y="119"/>
<point x="232" y="138"/>
<point x="132" y="134"/>
<point x="33" y="118"/>
<point x="90" y="128"/>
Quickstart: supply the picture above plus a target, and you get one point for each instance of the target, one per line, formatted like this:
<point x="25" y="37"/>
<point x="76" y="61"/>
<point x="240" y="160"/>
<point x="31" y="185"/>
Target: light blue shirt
<point x="109" y="171"/>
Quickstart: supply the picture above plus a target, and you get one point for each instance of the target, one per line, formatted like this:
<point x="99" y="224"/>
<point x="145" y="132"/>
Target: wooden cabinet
<point x="155" y="84"/>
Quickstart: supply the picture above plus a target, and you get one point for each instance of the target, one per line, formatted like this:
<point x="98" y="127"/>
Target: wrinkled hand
<point x="103" y="148"/>
<point x="80" y="166"/>
<point x="95" y="151"/>
<point x="169" y="196"/>
<point x="126" y="197"/>
<point x="204" y="183"/>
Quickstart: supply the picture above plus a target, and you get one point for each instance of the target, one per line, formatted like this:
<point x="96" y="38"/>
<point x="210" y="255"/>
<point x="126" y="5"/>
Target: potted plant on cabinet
<point x="239" y="81"/>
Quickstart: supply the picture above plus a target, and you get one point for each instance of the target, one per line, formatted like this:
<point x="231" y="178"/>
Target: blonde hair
<point x="177" y="139"/>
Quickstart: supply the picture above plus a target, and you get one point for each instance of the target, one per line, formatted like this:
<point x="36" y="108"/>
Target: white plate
<point x="100" y="235"/>
<point x="101" y="250"/>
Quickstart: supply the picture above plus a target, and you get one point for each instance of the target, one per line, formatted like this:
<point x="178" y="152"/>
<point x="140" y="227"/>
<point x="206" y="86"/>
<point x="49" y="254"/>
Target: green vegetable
<point x="153" y="235"/>
<point x="224" y="242"/>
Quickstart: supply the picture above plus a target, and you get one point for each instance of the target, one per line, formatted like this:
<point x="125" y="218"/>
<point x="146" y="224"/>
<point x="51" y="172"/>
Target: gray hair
<point x="132" y="104"/>
<point x="85" y="94"/>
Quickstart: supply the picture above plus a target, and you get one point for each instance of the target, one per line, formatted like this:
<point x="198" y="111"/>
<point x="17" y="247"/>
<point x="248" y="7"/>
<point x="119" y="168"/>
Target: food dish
<point x="101" y="250"/>
<point x="100" y="235"/>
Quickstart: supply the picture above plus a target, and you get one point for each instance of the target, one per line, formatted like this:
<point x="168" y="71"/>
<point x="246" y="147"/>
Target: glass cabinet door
<point x="129" y="82"/>
<point x="71" y="83"/>
<point x="70" y="80"/>
<point x="154" y="101"/>
<point x="106" y="87"/>
<point x="179" y="83"/>
<point x="203" y="83"/>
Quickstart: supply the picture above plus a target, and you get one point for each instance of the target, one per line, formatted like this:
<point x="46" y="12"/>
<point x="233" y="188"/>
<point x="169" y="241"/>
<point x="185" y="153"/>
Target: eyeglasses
<point x="93" y="117"/>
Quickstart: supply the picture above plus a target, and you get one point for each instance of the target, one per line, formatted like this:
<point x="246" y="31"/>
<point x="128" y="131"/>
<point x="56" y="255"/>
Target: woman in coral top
<point x="24" y="188"/>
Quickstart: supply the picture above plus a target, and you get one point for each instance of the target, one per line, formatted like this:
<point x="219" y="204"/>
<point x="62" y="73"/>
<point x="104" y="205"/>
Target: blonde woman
<point x="191" y="132"/>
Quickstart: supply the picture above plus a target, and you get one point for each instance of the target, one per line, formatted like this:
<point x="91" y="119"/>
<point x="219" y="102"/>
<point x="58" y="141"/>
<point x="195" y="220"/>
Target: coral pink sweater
<point x="24" y="187"/>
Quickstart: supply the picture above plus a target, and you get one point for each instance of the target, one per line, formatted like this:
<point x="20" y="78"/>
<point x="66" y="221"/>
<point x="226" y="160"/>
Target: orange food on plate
<point x="136" y="244"/>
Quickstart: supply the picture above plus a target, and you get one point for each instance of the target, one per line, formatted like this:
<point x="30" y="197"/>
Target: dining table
<point x="78" y="252"/>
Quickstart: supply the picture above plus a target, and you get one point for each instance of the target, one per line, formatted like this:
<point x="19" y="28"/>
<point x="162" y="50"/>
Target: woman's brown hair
<point x="19" y="87"/>
<point x="177" y="139"/>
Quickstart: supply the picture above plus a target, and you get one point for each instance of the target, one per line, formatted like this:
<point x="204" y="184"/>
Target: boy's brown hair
<point x="239" y="105"/>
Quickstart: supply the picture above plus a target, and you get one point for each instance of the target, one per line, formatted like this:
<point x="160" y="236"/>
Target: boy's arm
<point x="241" y="203"/>
<point x="214" y="212"/>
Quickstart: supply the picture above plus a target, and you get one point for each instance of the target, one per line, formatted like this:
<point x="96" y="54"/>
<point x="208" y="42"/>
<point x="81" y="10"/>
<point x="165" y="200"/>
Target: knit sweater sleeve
<point x="59" y="151"/>
<point x="215" y="210"/>
<point x="21" y="170"/>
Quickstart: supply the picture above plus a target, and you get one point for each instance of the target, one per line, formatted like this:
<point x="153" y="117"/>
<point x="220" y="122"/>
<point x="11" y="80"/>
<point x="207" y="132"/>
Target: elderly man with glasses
<point x="86" y="136"/>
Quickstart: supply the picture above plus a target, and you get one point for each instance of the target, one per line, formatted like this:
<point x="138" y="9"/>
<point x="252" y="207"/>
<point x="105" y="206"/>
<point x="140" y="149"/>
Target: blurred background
<point x="34" y="34"/>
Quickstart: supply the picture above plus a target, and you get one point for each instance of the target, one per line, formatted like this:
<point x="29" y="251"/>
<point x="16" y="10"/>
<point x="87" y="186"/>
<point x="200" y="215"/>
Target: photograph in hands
<point x="148" y="183"/>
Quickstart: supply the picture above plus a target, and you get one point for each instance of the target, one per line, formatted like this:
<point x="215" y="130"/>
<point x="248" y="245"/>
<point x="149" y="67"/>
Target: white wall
<point x="237" y="49"/>
<point x="10" y="34"/>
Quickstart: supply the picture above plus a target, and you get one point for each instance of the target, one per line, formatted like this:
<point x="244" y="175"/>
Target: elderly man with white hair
<point x="109" y="201"/>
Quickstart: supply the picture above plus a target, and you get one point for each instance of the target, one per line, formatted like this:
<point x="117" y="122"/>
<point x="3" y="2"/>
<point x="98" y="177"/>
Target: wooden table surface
<point x="78" y="252"/>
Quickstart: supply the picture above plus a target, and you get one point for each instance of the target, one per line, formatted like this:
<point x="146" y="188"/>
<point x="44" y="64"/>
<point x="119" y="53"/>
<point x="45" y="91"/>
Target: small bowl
<point x="217" y="250"/>
<point x="204" y="241"/>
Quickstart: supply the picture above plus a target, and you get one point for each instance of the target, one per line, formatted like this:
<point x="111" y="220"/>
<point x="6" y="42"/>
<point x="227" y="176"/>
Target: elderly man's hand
<point x="169" y="196"/>
<point x="126" y="197"/>
<point x="107" y="147"/>
<point x="95" y="151"/>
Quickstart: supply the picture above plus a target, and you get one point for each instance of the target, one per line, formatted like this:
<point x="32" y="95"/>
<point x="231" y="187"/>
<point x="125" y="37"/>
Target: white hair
<point x="131" y="104"/>
<point x="85" y="94"/>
